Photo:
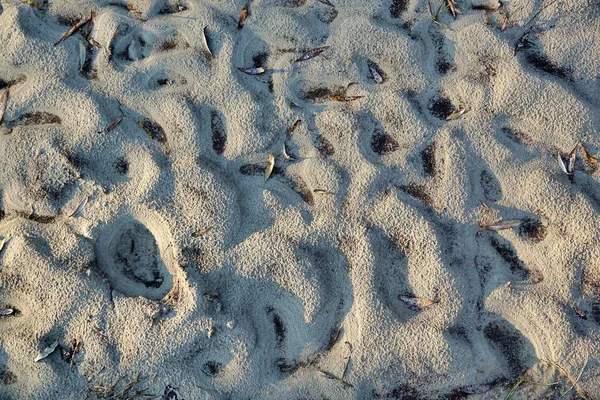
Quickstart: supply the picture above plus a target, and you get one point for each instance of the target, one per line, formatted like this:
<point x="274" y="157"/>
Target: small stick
<point x="76" y="27"/>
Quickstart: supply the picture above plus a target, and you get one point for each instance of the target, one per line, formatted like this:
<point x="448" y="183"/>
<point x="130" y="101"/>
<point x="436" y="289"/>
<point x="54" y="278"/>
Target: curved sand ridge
<point x="138" y="232"/>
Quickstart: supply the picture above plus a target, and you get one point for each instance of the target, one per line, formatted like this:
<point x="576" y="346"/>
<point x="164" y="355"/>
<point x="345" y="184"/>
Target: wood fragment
<point x="504" y="224"/>
<point x="205" y="41"/>
<point x="417" y="303"/>
<point x="201" y="232"/>
<point x="113" y="124"/>
<point x="312" y="53"/>
<point x="47" y="351"/>
<point x="3" y="103"/>
<point x="253" y="70"/>
<point x="243" y="16"/>
<point x="75" y="27"/>
<point x="270" y="166"/>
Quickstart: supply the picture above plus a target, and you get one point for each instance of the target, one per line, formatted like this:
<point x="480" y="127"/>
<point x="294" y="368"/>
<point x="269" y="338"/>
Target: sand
<point x="142" y="240"/>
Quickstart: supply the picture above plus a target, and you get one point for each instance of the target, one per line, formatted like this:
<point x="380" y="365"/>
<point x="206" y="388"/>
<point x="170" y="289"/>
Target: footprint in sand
<point x="131" y="258"/>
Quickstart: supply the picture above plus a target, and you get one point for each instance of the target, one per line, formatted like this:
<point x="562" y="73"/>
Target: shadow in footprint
<point x="130" y="256"/>
<point x="511" y="346"/>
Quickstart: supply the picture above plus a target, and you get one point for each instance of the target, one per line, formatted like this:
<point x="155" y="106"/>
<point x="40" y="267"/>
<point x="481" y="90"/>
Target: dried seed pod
<point x="505" y="224"/>
<point x="375" y="75"/>
<point x="417" y="303"/>
<point x="312" y="53"/>
<point x="270" y="166"/>
<point x="253" y="70"/>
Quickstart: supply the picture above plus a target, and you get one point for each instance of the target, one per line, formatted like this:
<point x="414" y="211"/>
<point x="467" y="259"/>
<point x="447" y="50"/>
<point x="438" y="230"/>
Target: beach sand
<point x="144" y="254"/>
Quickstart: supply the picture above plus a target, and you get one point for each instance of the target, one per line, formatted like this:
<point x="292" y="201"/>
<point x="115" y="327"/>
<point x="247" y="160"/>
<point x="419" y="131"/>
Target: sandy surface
<point x="141" y="239"/>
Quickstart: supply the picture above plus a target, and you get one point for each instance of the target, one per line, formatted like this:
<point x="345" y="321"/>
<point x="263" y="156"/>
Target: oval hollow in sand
<point x="130" y="256"/>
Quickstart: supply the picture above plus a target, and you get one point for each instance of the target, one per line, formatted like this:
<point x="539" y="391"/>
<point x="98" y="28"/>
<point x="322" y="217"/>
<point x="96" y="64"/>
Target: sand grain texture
<point x="141" y="233"/>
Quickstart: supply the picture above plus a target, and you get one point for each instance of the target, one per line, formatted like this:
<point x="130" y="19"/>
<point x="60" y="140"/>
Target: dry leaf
<point x="345" y="99"/>
<point x="82" y="54"/>
<point x="46" y="352"/>
<point x="113" y="124"/>
<point x="3" y="242"/>
<point x="243" y="16"/>
<point x="80" y="208"/>
<point x="205" y="41"/>
<point x="321" y="191"/>
<point x="312" y="53"/>
<point x="3" y="103"/>
<point x="270" y="166"/>
<point x="376" y="75"/>
<point x="253" y="71"/>
<point x="292" y="128"/>
<point x="202" y="231"/>
<point x="586" y="154"/>
<point x="561" y="164"/>
<point x="453" y="8"/>
<point x="76" y="27"/>
<point x="417" y="303"/>
<point x="505" y="224"/>
<point x="456" y="114"/>
<point x="286" y="155"/>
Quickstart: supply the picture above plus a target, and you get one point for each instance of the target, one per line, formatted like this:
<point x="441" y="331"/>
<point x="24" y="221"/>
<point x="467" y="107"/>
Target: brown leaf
<point x="113" y="124"/>
<point x="417" y="303"/>
<point x="202" y="232"/>
<point x="75" y="27"/>
<point x="243" y="16"/>
<point x="3" y="103"/>
<point x="292" y="128"/>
